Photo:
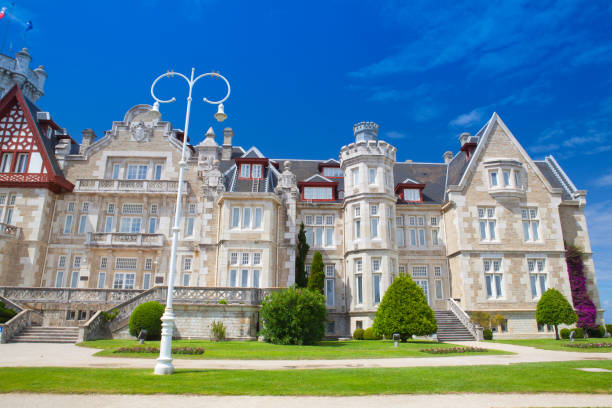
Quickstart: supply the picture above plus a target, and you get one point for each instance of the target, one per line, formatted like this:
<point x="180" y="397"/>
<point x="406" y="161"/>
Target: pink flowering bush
<point x="453" y="350"/>
<point x="585" y="308"/>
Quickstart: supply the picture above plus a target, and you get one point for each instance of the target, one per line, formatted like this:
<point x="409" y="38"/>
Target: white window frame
<point x="493" y="277"/>
<point x="531" y="224"/>
<point x="538" y="276"/>
<point x="487" y="224"/>
<point x="101" y="280"/>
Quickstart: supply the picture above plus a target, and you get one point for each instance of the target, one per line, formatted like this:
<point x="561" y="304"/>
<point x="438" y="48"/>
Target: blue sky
<point x="303" y="73"/>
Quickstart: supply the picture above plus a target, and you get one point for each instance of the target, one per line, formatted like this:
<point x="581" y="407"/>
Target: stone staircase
<point x="43" y="334"/>
<point x="450" y="327"/>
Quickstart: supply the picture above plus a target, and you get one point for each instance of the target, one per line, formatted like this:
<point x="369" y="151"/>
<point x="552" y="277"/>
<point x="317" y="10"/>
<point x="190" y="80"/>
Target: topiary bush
<point x="487" y="334"/>
<point x="293" y="316"/>
<point x="358" y="334"/>
<point x="369" y="334"/>
<point x="565" y="333"/>
<point x="404" y="310"/>
<point x="597" y="332"/>
<point x="147" y="317"/>
<point x="6" y="314"/>
<point x="578" y="332"/>
<point x="553" y="308"/>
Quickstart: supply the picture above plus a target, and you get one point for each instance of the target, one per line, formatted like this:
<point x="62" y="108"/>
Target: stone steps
<point x="41" y="334"/>
<point x="450" y="328"/>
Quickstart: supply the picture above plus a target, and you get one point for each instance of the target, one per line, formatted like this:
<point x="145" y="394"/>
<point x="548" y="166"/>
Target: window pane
<point x="374" y="227"/>
<point x="256" y="278"/>
<point x="59" y="279"/>
<point x="152" y="225"/>
<point x="376" y="288"/>
<point x="439" y="292"/>
<point x="534" y="290"/>
<point x="258" y="216"/>
<point x="412" y="194"/>
<point x="492" y="230"/>
<point x="506" y="178"/>
<point x="526" y="230"/>
<point x="534" y="228"/>
<point x="329" y="292"/>
<point x="493" y="179"/>
<point x="318" y="193"/>
<point x="257" y="171"/>
<point x="489" y="286"/>
<point x="74" y="282"/>
<point x="434" y="237"/>
<point x="142" y="172"/>
<point x="232" y="281"/>
<point x="189" y="231"/>
<point x="82" y="224"/>
<point x="146" y="282"/>
<point x="158" y="170"/>
<point x="400" y="237"/>
<point x="129" y="281"/>
<point x="245" y="278"/>
<point x="357" y="229"/>
<point x="498" y="285"/>
<point x="422" y="237"/>
<point x="413" y="241"/>
<point x="318" y="236"/>
<point x="101" y="280"/>
<point x="245" y="171"/>
<point x="309" y="236"/>
<point x="67" y="225"/>
<point x="246" y="218"/>
<point x="372" y="176"/>
<point x="359" y="289"/>
<point x="235" y="217"/>
<point x="483" y="230"/>
<point x="542" y="284"/>
<point x="186" y="279"/>
<point x="329" y="236"/>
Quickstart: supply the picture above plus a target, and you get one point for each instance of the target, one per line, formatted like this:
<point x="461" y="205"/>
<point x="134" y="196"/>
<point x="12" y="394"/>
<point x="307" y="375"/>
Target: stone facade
<point x="485" y="227"/>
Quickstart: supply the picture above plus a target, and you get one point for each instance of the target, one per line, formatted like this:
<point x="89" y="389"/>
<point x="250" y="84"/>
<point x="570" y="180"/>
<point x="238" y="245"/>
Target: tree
<point x="553" y="308"/>
<point x="482" y="319"/>
<point x="147" y="316"/>
<point x="293" y="316"/>
<point x="316" y="281"/>
<point x="300" y="258"/>
<point x="404" y="310"/>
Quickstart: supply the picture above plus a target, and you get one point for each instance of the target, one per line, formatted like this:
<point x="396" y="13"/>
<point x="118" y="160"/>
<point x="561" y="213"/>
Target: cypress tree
<point x="316" y="281"/>
<point x="300" y="258"/>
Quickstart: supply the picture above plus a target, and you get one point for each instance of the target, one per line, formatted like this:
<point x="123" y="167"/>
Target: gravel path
<point x="69" y="355"/>
<point x="387" y="401"/>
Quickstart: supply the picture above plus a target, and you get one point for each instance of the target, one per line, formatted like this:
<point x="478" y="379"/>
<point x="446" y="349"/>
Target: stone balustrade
<point x="68" y="295"/>
<point x="123" y="239"/>
<point x="9" y="231"/>
<point x="23" y="319"/>
<point x="129" y="186"/>
<point x="463" y="317"/>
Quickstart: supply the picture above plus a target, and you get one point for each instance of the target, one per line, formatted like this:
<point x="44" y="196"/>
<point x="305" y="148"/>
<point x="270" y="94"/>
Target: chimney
<point x="88" y="139"/>
<point x="448" y="156"/>
<point x="465" y="136"/>
<point x="228" y="135"/>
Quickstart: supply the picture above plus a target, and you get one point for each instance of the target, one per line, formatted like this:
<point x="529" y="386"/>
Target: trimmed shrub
<point x="565" y="333"/>
<point x="404" y="310"/>
<point x="147" y="317"/>
<point x="597" y="333"/>
<point x="369" y="334"/>
<point x="358" y="334"/>
<point x="316" y="281"/>
<point x="487" y="334"/>
<point x="6" y="314"/>
<point x="217" y="331"/>
<point x="578" y="333"/>
<point x="553" y="308"/>
<point x="293" y="316"/>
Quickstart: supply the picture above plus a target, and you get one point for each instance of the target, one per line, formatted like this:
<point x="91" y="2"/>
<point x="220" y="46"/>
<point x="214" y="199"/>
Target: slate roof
<point x="433" y="175"/>
<point x="554" y="181"/>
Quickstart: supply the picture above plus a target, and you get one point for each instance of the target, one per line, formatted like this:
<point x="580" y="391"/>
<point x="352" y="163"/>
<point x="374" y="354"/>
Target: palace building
<point x="482" y="230"/>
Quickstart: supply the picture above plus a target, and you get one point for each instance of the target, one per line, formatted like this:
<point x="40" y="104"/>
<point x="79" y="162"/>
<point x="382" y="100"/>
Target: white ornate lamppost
<point x="164" y="362"/>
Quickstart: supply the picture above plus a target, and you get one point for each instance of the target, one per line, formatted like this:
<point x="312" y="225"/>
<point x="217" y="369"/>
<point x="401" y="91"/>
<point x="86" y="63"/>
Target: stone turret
<point x="17" y="71"/>
<point x="208" y="151"/>
<point x="228" y="135"/>
<point x="88" y="139"/>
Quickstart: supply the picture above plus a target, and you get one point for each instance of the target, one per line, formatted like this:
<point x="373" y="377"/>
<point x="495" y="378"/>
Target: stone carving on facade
<point x="213" y="181"/>
<point x="140" y="131"/>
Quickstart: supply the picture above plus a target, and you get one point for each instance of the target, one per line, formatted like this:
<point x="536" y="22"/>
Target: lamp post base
<point x="164" y="362"/>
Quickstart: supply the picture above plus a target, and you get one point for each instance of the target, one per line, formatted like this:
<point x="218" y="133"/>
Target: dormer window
<point x="412" y="194"/>
<point x="245" y="170"/>
<point x="318" y="193"/>
<point x="256" y="171"/>
<point x="334" y="172"/>
<point x="22" y="163"/>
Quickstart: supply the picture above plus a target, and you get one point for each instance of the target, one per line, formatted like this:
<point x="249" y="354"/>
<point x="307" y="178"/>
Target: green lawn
<point x="254" y="350"/>
<point x="552" y="344"/>
<point x="541" y="377"/>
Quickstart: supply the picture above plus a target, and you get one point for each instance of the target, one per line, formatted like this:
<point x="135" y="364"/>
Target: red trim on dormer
<point x="251" y="160"/>
<point x="333" y="185"/>
<point x="468" y="148"/>
<point x="326" y="164"/>
<point x="399" y="189"/>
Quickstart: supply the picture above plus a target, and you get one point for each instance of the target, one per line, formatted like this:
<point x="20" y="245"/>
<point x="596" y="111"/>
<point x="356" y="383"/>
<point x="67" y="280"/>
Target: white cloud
<point x="467" y="119"/>
<point x="393" y="134"/>
<point x="604" y="181"/>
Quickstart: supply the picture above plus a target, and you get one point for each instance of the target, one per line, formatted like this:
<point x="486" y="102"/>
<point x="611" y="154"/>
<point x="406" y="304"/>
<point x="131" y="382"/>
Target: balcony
<point x="9" y="231"/>
<point x="129" y="186"/>
<point x="123" y="240"/>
